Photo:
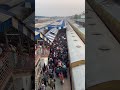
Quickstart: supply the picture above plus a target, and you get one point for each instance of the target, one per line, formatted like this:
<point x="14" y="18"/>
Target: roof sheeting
<point x="52" y="34"/>
<point x="13" y="2"/>
<point x="4" y="17"/>
<point x="20" y="12"/>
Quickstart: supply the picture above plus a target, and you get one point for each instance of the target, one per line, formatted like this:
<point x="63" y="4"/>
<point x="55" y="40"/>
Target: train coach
<point x="102" y="65"/>
<point x="76" y="49"/>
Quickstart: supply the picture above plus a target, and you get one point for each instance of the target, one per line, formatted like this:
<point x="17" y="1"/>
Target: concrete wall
<point x="22" y="81"/>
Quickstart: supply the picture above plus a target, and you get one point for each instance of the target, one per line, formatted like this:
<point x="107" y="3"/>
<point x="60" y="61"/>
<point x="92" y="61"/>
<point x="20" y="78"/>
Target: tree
<point x="76" y="16"/>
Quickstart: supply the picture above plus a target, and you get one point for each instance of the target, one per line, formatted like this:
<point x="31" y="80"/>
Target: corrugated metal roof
<point x="13" y="2"/>
<point x="50" y="35"/>
<point x="4" y="17"/>
<point x="20" y="11"/>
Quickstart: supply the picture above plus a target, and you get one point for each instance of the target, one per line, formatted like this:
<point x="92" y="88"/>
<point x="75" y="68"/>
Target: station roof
<point x="36" y="33"/>
<point x="4" y="17"/>
<point x="13" y="2"/>
<point x="20" y="12"/>
<point x="29" y="22"/>
<point x="30" y="18"/>
<point x="52" y="34"/>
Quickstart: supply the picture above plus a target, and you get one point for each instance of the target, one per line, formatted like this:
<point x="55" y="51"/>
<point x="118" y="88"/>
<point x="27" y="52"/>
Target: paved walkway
<point x="56" y="52"/>
<point x="65" y="86"/>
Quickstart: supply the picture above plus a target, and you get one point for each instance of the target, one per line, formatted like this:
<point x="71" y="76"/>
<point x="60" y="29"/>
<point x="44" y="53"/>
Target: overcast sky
<point x="59" y="7"/>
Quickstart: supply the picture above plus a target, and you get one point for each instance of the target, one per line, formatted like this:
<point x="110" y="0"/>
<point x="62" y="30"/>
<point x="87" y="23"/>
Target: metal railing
<point x="5" y="67"/>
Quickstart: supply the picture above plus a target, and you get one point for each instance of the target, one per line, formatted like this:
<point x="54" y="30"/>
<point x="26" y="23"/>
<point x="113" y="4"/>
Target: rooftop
<point x="4" y="17"/>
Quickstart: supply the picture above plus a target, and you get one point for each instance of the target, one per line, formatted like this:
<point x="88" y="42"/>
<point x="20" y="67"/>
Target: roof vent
<point x="89" y="17"/>
<point x="78" y="46"/>
<point x="75" y="40"/>
<point x="92" y="24"/>
<point x="104" y="48"/>
<point x="96" y="34"/>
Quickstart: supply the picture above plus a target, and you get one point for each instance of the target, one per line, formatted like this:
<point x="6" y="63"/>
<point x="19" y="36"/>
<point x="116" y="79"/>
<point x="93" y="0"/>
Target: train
<point x="76" y="49"/>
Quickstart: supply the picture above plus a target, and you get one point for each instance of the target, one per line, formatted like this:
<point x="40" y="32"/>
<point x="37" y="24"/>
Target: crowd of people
<point x="58" y="62"/>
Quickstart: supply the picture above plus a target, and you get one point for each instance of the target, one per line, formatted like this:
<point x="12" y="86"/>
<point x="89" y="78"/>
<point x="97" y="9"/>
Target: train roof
<point x="76" y="50"/>
<point x="104" y="59"/>
<point x="75" y="44"/>
<point x="80" y="28"/>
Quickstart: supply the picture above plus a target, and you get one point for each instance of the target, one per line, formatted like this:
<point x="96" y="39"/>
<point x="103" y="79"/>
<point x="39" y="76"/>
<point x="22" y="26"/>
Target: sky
<point x="59" y="7"/>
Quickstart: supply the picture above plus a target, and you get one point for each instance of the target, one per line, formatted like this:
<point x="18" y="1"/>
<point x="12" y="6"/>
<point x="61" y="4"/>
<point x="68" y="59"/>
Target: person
<point x="61" y="77"/>
<point x="44" y="68"/>
<point x="52" y="83"/>
<point x="42" y="86"/>
<point x="51" y="75"/>
<point x="64" y="70"/>
<point x="59" y="63"/>
<point x="45" y="79"/>
<point x="57" y="71"/>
